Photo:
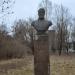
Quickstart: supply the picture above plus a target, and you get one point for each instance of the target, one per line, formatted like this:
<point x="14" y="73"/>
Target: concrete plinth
<point x="41" y="55"/>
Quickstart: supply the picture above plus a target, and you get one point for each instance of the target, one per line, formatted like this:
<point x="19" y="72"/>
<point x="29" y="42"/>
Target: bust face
<point x="41" y="13"/>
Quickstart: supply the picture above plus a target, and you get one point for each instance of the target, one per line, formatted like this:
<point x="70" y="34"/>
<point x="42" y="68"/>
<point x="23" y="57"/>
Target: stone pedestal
<point x="41" y="55"/>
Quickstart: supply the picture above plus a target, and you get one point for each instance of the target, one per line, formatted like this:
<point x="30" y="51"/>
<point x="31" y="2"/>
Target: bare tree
<point x="62" y="21"/>
<point x="23" y="33"/>
<point x="73" y="34"/>
<point x="5" y="10"/>
<point x="22" y="30"/>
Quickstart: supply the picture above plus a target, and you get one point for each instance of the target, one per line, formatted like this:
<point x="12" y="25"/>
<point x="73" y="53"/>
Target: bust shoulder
<point x="50" y="23"/>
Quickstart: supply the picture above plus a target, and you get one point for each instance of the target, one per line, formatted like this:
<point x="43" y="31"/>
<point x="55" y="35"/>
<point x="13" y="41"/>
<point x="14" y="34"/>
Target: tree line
<point x="19" y="43"/>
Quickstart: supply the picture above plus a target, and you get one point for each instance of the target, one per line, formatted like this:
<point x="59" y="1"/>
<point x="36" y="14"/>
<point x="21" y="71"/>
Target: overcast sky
<point x="28" y="8"/>
<point x="23" y="9"/>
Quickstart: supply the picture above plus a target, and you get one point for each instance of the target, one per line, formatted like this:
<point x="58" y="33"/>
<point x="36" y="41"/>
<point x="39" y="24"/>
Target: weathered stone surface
<point x="41" y="55"/>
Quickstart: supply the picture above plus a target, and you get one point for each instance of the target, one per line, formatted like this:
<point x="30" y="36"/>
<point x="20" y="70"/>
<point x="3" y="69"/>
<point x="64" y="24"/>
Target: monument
<point x="40" y="41"/>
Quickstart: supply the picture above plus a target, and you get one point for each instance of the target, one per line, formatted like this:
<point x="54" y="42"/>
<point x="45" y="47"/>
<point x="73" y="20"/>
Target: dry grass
<point x="63" y="65"/>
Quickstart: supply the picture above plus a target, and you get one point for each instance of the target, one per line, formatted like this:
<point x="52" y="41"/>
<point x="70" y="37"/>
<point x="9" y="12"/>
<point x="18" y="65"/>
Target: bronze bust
<point x="41" y="25"/>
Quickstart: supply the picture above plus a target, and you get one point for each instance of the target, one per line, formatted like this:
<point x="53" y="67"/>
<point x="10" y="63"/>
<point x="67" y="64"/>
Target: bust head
<point x="41" y="13"/>
<point x="41" y="26"/>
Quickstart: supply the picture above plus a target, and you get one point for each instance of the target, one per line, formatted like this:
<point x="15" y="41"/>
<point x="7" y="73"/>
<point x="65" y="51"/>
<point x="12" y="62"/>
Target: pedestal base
<point x="41" y="55"/>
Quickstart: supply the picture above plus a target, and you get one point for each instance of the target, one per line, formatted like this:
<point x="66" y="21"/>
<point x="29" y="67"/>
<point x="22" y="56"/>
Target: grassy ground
<point x="63" y="65"/>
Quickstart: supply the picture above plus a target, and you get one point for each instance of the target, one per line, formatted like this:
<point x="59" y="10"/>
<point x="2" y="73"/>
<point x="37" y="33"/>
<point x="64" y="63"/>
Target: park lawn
<point x="59" y="65"/>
